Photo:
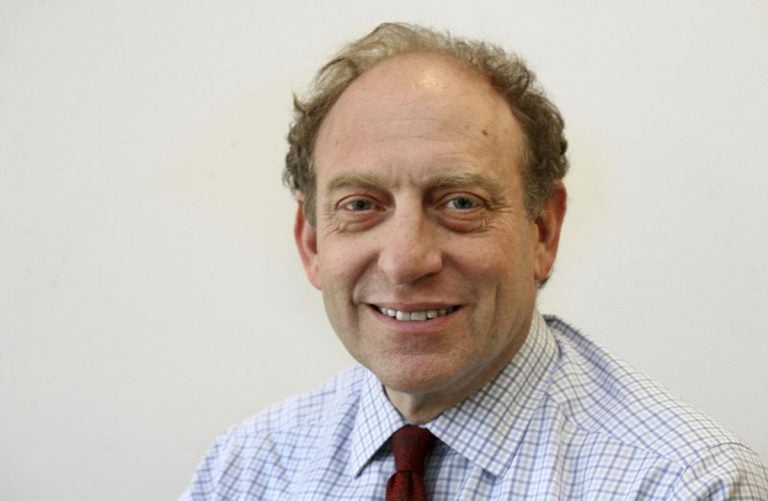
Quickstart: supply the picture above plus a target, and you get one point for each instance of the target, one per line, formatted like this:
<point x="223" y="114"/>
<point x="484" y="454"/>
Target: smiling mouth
<point x="415" y="316"/>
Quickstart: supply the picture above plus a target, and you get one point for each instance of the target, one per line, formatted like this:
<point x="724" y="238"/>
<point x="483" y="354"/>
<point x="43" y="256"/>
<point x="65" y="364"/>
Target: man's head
<point x="420" y="233"/>
<point x="544" y="161"/>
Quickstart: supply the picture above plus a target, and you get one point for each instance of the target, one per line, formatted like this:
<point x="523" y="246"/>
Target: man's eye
<point x="463" y="203"/>
<point x="358" y="205"/>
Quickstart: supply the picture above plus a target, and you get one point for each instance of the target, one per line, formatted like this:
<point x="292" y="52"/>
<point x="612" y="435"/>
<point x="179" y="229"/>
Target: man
<point x="428" y="172"/>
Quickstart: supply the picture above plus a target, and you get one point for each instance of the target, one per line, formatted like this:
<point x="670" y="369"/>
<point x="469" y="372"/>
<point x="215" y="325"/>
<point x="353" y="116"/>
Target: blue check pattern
<point x="564" y="420"/>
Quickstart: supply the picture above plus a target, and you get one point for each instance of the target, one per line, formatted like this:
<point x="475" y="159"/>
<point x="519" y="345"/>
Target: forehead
<point x="414" y="114"/>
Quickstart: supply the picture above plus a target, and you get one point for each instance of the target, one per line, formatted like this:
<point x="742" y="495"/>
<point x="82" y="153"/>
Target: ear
<point x="549" y="222"/>
<point x="305" y="236"/>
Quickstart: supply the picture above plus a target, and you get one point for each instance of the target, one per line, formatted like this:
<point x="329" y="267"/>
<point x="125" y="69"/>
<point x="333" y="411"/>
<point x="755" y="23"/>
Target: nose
<point x="410" y="248"/>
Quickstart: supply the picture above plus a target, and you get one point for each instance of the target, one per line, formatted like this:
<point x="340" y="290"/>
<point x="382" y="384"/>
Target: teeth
<point x="414" y="316"/>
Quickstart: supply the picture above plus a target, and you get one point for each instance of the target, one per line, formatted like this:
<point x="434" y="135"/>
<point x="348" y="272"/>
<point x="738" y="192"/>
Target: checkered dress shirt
<point x="564" y="420"/>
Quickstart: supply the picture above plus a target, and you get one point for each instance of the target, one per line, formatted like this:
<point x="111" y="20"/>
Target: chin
<point x="416" y="378"/>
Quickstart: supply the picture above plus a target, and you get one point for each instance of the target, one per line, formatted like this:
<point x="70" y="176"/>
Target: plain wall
<point x="150" y="292"/>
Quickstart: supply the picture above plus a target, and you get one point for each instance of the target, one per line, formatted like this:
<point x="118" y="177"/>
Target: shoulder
<point x="605" y="395"/>
<point x="308" y="410"/>
<point x="605" y="399"/>
<point x="725" y="471"/>
<point x="269" y="448"/>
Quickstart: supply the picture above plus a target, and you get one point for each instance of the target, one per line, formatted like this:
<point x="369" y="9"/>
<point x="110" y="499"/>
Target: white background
<point x="150" y="294"/>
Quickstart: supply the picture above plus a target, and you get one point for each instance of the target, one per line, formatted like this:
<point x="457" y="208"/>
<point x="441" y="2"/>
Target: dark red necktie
<point x="410" y="445"/>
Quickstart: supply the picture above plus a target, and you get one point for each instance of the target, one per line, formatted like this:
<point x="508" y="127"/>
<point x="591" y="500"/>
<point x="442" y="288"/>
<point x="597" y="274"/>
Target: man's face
<point x="426" y="257"/>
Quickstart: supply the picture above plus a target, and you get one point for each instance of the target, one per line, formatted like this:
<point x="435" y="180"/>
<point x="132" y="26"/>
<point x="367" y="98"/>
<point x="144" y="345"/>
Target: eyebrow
<point x="353" y="179"/>
<point x="434" y="182"/>
<point x="466" y="179"/>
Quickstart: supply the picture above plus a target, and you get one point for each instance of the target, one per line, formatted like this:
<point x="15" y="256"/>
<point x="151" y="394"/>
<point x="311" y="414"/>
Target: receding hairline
<point x="452" y="60"/>
<point x="463" y="72"/>
<point x="461" y="69"/>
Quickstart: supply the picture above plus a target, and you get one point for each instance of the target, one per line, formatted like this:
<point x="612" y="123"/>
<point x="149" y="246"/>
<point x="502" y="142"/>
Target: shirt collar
<point x="490" y="424"/>
<point x="376" y="421"/>
<point x="486" y="428"/>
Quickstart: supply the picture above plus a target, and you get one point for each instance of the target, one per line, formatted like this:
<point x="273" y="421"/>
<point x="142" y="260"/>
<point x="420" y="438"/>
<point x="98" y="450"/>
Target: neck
<point x="419" y="408"/>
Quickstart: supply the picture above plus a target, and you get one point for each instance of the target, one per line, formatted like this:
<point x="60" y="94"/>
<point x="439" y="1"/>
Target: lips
<point x="415" y="315"/>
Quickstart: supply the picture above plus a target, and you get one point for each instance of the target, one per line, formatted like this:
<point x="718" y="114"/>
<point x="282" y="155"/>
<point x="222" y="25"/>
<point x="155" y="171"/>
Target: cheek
<point x="502" y="275"/>
<point x="341" y="266"/>
<point x="496" y="259"/>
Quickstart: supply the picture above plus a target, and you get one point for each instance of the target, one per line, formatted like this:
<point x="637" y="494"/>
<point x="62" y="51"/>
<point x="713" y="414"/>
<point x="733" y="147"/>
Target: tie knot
<point x="410" y="445"/>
